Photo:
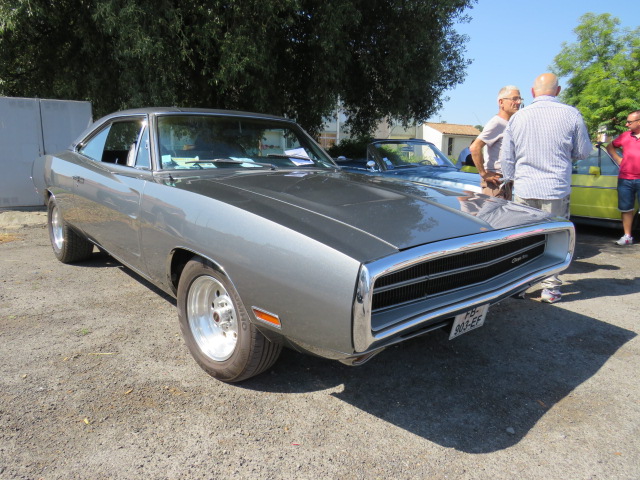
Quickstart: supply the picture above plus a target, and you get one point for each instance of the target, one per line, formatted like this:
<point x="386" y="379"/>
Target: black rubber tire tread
<point x="254" y="353"/>
<point x="75" y="248"/>
<point x="635" y="226"/>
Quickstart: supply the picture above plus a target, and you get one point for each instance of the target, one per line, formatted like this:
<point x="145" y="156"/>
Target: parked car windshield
<point x="210" y="141"/>
<point x="398" y="154"/>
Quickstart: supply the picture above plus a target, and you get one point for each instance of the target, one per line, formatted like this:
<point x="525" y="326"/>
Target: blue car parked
<point x="411" y="159"/>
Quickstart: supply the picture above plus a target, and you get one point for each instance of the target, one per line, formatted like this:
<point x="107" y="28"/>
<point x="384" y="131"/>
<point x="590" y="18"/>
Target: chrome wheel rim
<point x="213" y="319"/>
<point x="57" y="229"/>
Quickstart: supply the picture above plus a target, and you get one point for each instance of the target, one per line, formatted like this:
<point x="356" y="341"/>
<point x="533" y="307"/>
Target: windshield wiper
<point x="216" y="160"/>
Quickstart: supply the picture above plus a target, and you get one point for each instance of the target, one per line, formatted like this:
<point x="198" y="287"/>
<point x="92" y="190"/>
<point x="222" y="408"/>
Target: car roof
<point x="163" y="110"/>
<point x="172" y="110"/>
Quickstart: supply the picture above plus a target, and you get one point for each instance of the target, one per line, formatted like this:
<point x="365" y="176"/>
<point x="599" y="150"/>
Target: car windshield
<point x="212" y="141"/>
<point x="398" y="154"/>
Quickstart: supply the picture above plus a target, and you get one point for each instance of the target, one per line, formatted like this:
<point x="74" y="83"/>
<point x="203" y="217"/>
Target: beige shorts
<point x="556" y="207"/>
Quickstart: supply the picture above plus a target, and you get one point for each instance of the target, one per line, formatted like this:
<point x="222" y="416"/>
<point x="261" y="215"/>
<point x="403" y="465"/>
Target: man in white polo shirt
<point x="509" y="102"/>
<point x="538" y="146"/>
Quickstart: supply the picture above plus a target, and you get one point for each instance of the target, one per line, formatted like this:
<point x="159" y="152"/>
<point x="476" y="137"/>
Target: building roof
<point x="454" y="129"/>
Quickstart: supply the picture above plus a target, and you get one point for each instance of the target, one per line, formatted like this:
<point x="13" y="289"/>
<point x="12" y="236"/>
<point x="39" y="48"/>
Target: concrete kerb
<point x="12" y="219"/>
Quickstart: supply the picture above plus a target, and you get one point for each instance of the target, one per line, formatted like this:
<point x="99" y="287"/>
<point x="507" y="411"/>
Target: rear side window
<point x="113" y="143"/>
<point x="94" y="147"/>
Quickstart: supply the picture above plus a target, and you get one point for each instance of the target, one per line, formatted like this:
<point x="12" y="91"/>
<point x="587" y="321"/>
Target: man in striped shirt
<point x="538" y="147"/>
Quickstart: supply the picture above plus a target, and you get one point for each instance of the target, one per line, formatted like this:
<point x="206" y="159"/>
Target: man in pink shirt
<point x="629" y="176"/>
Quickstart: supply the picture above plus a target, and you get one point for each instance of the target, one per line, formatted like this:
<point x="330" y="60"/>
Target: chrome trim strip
<point x="594" y="186"/>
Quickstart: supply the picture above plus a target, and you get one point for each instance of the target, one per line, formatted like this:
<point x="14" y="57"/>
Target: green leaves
<point x="298" y="58"/>
<point x="602" y="67"/>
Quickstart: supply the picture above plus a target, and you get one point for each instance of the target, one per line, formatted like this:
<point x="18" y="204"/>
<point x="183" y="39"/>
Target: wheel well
<point x="178" y="261"/>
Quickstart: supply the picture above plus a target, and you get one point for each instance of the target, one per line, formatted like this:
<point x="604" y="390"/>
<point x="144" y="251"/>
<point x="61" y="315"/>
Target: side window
<point x="581" y="167"/>
<point x="94" y="147"/>
<point x="143" y="159"/>
<point x="609" y="166"/>
<point x="113" y="143"/>
<point x="598" y="158"/>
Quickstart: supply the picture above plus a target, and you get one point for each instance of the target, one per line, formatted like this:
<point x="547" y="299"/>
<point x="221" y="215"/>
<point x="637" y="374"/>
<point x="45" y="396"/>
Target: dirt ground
<point x="96" y="383"/>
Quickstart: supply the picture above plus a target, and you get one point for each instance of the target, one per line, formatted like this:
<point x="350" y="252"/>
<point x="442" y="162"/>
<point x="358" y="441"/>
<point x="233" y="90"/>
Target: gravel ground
<point x="97" y="383"/>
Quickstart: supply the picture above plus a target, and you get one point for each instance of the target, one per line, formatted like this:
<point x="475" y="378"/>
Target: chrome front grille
<point x="449" y="273"/>
<point x="422" y="288"/>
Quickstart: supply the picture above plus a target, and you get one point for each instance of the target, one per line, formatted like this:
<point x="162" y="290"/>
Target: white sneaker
<point x="625" y="240"/>
<point x="551" y="283"/>
<point x="551" y="296"/>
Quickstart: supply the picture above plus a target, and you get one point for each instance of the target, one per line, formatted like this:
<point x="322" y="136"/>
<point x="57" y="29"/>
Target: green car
<point x="594" y="190"/>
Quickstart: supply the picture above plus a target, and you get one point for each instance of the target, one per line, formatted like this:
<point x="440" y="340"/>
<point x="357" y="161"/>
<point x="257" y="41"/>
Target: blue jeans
<point x="628" y="192"/>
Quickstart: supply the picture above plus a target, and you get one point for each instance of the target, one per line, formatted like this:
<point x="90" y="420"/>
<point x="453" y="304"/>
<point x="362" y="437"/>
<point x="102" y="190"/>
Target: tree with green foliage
<point x="351" y="147"/>
<point x="299" y="58"/>
<point x="603" y="70"/>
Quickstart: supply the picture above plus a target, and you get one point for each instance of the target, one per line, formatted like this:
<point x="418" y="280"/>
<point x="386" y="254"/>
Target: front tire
<point x="68" y="246"/>
<point x="216" y="326"/>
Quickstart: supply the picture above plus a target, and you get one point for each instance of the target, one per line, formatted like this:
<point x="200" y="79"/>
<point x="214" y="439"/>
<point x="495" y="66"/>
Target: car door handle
<point x="78" y="179"/>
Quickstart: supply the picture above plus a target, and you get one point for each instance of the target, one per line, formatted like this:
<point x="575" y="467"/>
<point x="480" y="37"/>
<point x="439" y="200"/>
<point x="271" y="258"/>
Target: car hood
<point x="352" y="211"/>
<point x="440" y="176"/>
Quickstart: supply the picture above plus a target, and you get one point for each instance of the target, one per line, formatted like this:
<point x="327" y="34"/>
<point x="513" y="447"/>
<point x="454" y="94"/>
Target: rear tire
<point x="635" y="226"/>
<point x="68" y="246"/>
<point x="216" y="326"/>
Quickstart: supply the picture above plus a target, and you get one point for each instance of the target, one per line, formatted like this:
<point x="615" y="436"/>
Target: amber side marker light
<point x="270" y="318"/>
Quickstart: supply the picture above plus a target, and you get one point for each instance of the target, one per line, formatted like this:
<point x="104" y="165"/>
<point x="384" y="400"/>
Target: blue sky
<point x="511" y="43"/>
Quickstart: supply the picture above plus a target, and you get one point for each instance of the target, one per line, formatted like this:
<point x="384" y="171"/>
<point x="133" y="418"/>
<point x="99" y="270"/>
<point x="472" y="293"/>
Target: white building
<point x="450" y="137"/>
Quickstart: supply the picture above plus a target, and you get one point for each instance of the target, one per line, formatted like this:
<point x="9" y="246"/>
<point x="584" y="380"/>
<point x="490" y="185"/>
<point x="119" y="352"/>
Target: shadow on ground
<point x="484" y="391"/>
<point x="479" y="393"/>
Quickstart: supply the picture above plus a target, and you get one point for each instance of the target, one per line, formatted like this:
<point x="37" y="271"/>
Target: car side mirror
<point x="593" y="170"/>
<point x="371" y="166"/>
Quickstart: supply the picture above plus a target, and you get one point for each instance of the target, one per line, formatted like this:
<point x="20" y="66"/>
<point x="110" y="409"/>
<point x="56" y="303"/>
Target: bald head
<point x="546" y="84"/>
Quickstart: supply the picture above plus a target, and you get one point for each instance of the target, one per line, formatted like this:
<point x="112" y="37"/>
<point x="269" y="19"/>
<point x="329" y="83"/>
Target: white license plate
<point x="465" y="322"/>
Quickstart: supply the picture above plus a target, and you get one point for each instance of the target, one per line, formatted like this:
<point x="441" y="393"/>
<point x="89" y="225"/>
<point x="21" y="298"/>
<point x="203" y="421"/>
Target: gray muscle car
<point x="265" y="243"/>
